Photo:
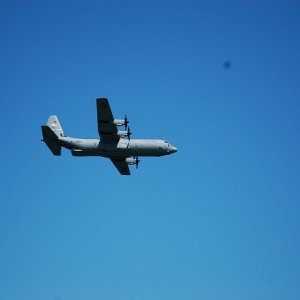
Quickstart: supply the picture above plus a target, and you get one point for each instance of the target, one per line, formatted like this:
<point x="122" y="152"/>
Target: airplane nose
<point x="173" y="149"/>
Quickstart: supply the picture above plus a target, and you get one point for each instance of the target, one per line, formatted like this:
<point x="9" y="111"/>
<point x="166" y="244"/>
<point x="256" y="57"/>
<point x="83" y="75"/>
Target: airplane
<point x="113" y="143"/>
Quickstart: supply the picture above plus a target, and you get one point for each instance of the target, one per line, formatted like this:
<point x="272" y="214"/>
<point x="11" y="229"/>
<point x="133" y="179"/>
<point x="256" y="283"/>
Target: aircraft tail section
<point x="54" y="125"/>
<point x="51" y="139"/>
<point x="51" y="134"/>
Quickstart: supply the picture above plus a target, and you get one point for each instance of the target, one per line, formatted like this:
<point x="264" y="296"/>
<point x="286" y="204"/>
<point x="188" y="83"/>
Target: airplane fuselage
<point x="124" y="148"/>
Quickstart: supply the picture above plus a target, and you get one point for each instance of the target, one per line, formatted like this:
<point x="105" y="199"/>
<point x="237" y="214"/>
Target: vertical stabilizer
<point x="54" y="125"/>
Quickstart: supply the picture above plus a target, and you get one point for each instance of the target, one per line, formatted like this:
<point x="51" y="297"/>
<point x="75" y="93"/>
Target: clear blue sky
<point x="217" y="220"/>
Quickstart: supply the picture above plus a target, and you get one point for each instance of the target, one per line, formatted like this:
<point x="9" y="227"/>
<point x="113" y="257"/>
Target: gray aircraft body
<point x="113" y="144"/>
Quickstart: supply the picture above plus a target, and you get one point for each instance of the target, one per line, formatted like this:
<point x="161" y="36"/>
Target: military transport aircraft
<point x="113" y="144"/>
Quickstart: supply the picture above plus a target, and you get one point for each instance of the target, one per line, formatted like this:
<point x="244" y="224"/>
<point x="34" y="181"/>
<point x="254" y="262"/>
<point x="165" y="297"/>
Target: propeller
<point x="129" y="133"/>
<point x="126" y="122"/>
<point x="137" y="161"/>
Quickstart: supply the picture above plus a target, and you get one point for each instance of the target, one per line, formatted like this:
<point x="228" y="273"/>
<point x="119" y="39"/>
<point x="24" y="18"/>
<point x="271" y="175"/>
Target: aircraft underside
<point x="117" y="153"/>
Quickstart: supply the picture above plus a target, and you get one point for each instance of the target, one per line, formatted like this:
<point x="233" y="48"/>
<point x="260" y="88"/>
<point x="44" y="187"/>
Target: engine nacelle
<point x="132" y="161"/>
<point x="122" y="133"/>
<point x="120" y="122"/>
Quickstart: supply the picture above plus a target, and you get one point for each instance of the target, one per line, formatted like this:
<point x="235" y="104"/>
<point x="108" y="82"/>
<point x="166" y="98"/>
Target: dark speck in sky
<point x="227" y="64"/>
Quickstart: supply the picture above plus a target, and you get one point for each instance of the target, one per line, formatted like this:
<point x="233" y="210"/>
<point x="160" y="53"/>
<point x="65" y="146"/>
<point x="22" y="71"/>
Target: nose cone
<point x="173" y="149"/>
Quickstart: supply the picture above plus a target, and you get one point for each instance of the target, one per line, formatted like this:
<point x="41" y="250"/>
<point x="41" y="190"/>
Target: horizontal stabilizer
<point x="50" y="138"/>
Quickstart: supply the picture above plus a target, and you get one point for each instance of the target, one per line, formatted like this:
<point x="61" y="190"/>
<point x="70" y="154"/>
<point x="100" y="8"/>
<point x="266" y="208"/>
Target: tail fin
<point x="55" y="126"/>
<point x="51" y="133"/>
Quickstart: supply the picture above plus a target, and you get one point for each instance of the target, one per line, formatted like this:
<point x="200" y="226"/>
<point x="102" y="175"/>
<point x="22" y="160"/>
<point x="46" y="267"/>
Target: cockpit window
<point x="167" y="142"/>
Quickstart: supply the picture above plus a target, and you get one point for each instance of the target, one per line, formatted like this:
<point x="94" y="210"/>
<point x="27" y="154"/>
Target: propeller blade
<point x="137" y="162"/>
<point x="129" y="133"/>
<point x="126" y="122"/>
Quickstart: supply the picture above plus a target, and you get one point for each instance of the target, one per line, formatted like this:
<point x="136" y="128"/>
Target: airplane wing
<point x="121" y="165"/>
<point x="106" y="127"/>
